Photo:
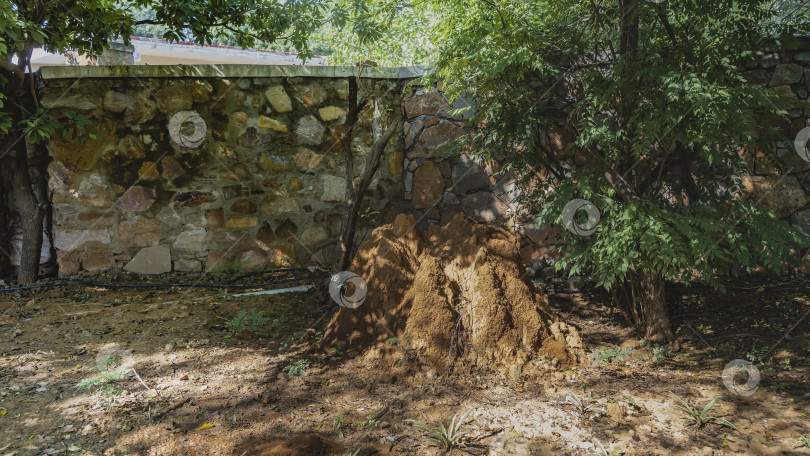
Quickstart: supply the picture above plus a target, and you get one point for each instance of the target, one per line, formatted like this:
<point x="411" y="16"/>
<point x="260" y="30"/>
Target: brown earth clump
<point x="453" y="292"/>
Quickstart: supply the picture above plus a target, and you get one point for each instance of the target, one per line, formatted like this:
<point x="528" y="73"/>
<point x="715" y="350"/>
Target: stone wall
<point x="204" y="167"/>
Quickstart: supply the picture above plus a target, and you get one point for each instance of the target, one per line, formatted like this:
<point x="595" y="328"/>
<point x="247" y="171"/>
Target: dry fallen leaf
<point x="205" y="426"/>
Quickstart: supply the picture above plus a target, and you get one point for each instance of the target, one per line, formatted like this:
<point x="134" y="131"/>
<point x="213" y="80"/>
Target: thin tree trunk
<point x="31" y="213"/>
<point x="355" y="195"/>
<point x="653" y="304"/>
<point x="348" y="225"/>
<point x="30" y="210"/>
<point x="5" y="234"/>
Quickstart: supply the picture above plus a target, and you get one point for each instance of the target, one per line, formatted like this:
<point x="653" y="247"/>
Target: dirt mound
<point x="453" y="292"/>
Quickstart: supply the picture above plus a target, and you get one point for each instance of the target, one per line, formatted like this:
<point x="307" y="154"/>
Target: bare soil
<point x="206" y="390"/>
<point x="455" y="295"/>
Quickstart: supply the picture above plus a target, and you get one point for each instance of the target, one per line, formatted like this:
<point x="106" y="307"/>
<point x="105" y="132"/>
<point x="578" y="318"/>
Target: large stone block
<point x="174" y="98"/>
<point x="428" y="185"/>
<point x="310" y="131"/>
<point x="139" y="232"/>
<point x="136" y="199"/>
<point x="484" y="206"/>
<point x="307" y="159"/>
<point x="70" y="240"/>
<point x="272" y="124"/>
<point x="116" y="101"/>
<point x="430" y="103"/>
<point x="786" y="74"/>
<point x="330" y="113"/>
<point x="151" y="260"/>
<point x="78" y="101"/>
<point x="273" y="206"/>
<point x="252" y="261"/>
<point x="781" y="194"/>
<point x="468" y="176"/>
<point x="192" y="241"/>
<point x="187" y="265"/>
<point x="334" y="188"/>
<point x="310" y="95"/>
<point x="434" y="138"/>
<point x="278" y="99"/>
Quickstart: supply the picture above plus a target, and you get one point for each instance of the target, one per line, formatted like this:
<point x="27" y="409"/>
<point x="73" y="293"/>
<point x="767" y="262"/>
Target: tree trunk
<point x="343" y="254"/>
<point x="653" y="305"/>
<point x="5" y="234"/>
<point x="31" y="213"/>
<point x="642" y="301"/>
<point x="355" y="195"/>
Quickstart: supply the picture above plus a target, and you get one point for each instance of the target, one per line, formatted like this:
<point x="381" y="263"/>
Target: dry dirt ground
<point x="194" y="387"/>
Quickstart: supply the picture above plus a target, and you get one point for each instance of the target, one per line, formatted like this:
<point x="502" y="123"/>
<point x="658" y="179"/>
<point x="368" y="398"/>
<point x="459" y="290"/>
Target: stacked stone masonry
<point x="211" y="167"/>
<point x="199" y="174"/>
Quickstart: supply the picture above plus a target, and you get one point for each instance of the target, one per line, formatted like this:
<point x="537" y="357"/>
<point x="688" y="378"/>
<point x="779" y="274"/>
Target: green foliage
<point x="40" y="127"/>
<point x="369" y="422"/>
<point x="658" y="130"/>
<point x="701" y="417"/>
<point x="660" y="352"/>
<point x="388" y="33"/>
<point x="107" y="383"/>
<point x="604" y="354"/>
<point x="252" y="320"/>
<point x="755" y="354"/>
<point x="337" y="424"/>
<point x="297" y="368"/>
<point x="446" y="437"/>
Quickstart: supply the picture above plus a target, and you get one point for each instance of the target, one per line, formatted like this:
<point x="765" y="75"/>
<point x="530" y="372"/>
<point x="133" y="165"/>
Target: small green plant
<point x="252" y="320"/>
<point x="786" y="365"/>
<point x="408" y="354"/>
<point x="369" y="213"/>
<point x="600" y="450"/>
<point x="701" y="417"/>
<point x="106" y="383"/>
<point x="446" y="437"/>
<point x="354" y="453"/>
<point x="603" y="354"/>
<point x="582" y="407"/>
<point x="659" y="352"/>
<point x="369" y="422"/>
<point x="803" y="441"/>
<point x="337" y="424"/>
<point x="755" y="354"/>
<point x="297" y="368"/>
